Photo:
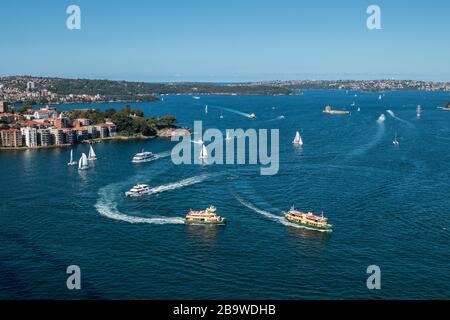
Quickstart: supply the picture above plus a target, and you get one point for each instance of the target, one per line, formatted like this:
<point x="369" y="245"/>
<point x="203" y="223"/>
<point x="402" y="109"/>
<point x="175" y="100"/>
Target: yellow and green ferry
<point x="207" y="216"/>
<point x="308" y="220"/>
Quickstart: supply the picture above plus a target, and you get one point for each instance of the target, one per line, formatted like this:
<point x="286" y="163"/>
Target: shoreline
<point x="164" y="133"/>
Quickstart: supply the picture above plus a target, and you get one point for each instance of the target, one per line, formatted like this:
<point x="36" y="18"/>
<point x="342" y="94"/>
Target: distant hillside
<point x="126" y="88"/>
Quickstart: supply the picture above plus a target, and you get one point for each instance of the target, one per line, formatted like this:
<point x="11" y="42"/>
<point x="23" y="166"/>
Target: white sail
<point x="92" y="156"/>
<point x="83" y="162"/>
<point x="298" y="139"/>
<point x="203" y="153"/>
<point x="206" y="109"/>
<point x="71" y="162"/>
<point x="395" y="139"/>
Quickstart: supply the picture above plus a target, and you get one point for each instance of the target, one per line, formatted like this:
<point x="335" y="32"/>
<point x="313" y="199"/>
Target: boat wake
<point x="162" y="155"/>
<point x="268" y="215"/>
<point x="108" y="208"/>
<point x="275" y="119"/>
<point x="247" y="115"/>
<point x="392" y="114"/>
<point x="107" y="203"/>
<point x="179" y="184"/>
<point x="365" y="148"/>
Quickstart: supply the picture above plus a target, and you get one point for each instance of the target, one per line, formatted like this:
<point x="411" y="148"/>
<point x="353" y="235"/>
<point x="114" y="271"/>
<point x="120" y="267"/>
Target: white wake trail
<point x="108" y="207"/>
<point x="247" y="115"/>
<point x="179" y="184"/>
<point x="392" y="114"/>
<point x="275" y="119"/>
<point x="266" y="214"/>
<point x="365" y="148"/>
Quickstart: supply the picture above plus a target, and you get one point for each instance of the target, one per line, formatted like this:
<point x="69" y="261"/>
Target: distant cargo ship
<point x="329" y="110"/>
<point x="308" y="220"/>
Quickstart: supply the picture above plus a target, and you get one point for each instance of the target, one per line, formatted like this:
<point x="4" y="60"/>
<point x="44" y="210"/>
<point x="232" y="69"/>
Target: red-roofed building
<point x="45" y="113"/>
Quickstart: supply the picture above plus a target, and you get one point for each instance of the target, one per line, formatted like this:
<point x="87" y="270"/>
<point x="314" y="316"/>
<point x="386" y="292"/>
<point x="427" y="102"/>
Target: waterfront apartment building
<point x="93" y="132"/>
<point x="57" y="136"/>
<point x="44" y="137"/>
<point x="4" y="107"/>
<point x="31" y="136"/>
<point x="70" y="136"/>
<point x="106" y="130"/>
<point x="11" y="138"/>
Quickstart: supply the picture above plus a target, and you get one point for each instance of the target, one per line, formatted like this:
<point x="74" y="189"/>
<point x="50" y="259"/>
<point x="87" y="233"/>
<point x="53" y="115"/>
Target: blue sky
<point x="217" y="40"/>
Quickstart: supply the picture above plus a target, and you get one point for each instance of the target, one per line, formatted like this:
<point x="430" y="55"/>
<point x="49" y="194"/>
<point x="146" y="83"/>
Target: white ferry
<point x="144" y="156"/>
<point x="138" y="190"/>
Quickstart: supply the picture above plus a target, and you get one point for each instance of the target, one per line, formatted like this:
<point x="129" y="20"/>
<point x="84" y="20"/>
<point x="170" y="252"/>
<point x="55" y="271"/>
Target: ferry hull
<point x="217" y="223"/>
<point x="327" y="229"/>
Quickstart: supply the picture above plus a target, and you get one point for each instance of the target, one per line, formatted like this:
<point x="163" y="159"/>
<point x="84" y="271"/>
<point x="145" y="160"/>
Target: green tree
<point x="167" y="120"/>
<point x="123" y="122"/>
<point x="137" y="112"/>
<point x="152" y="122"/>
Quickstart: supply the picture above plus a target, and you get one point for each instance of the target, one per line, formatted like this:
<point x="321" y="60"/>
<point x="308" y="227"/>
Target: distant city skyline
<point x="226" y="41"/>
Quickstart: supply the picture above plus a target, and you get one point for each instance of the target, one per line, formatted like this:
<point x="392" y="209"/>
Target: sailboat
<point x="359" y="109"/>
<point x="203" y="153"/>
<point x="71" y="162"/>
<point x="92" y="156"/>
<point x="298" y="139"/>
<point x="221" y="115"/>
<point x="395" y="142"/>
<point x="206" y="109"/>
<point x="83" y="162"/>
<point x="353" y="104"/>
<point x="380" y="97"/>
<point x="418" y="111"/>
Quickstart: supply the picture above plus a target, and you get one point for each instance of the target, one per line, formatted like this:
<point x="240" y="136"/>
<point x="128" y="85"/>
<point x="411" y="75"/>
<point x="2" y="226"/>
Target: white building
<point x="30" y="134"/>
<point x="45" y="113"/>
<point x="57" y="136"/>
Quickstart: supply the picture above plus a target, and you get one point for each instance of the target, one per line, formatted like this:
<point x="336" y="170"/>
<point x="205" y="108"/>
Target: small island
<point x="48" y="127"/>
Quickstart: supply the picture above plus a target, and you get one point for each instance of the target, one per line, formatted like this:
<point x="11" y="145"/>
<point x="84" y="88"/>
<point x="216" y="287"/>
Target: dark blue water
<point x="389" y="206"/>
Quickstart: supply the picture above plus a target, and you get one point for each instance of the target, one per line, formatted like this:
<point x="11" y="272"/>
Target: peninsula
<point x="48" y="127"/>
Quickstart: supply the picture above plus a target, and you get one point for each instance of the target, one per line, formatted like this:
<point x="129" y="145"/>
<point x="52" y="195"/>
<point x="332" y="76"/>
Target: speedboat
<point x="252" y="116"/>
<point x="144" y="156"/>
<point x="138" y="190"/>
<point x="381" y="118"/>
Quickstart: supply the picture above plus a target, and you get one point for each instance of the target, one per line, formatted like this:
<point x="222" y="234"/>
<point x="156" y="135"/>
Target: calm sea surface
<point x="390" y="206"/>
